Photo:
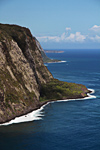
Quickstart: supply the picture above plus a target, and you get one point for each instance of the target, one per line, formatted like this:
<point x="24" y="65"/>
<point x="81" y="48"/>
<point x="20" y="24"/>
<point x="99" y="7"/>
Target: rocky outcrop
<point x="23" y="76"/>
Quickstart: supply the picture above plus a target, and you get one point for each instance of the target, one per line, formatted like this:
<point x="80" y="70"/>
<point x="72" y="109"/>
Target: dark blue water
<point x="71" y="125"/>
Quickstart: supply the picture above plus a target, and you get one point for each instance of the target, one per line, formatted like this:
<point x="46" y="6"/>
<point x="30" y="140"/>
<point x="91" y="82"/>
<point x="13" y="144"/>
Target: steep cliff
<point x="23" y="77"/>
<point x="21" y="71"/>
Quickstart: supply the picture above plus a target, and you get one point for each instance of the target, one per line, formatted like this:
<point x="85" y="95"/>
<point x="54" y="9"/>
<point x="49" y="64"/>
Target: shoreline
<point x="37" y="114"/>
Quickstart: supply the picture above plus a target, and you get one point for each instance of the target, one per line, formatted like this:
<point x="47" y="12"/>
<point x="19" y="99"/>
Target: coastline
<point x="62" y="61"/>
<point x="37" y="114"/>
<point x="53" y="51"/>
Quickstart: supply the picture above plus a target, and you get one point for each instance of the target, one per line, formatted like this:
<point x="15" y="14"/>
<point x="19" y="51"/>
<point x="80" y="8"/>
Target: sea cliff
<point x="25" y="83"/>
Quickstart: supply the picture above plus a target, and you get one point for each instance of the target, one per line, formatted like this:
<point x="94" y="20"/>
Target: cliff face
<point x="44" y="56"/>
<point x="21" y="71"/>
<point x="25" y="83"/>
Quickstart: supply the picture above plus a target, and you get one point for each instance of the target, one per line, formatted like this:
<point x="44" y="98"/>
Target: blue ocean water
<point x="70" y="125"/>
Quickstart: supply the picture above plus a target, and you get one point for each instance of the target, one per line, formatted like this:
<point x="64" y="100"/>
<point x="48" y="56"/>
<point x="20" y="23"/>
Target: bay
<point x="70" y="125"/>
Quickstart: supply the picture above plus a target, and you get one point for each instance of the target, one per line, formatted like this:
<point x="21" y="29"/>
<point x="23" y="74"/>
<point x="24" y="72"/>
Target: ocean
<point x="64" y="125"/>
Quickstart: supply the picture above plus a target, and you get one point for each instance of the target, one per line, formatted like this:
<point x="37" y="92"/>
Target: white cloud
<point x="80" y="37"/>
<point x="68" y="28"/>
<point x="43" y="38"/>
<point x="95" y="38"/>
<point x="73" y="37"/>
<point x="63" y="36"/>
<point x="95" y="28"/>
<point x="54" y="38"/>
<point x="77" y="37"/>
<point x="98" y="37"/>
<point x="48" y="38"/>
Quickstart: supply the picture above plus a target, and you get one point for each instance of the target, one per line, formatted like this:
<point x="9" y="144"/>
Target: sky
<point x="57" y="24"/>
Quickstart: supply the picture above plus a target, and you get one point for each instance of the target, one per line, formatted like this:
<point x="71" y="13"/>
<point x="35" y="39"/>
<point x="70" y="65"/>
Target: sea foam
<point x="37" y="114"/>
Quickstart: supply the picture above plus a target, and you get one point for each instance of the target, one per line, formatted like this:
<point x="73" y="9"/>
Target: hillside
<point x="25" y="83"/>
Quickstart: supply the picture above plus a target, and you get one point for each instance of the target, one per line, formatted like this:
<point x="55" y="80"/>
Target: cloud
<point x="68" y="29"/>
<point x="95" y="28"/>
<point x="63" y="36"/>
<point x="54" y="38"/>
<point x="80" y="37"/>
<point x="95" y="38"/>
<point x="73" y="37"/>
<point x="77" y="37"/>
<point x="48" y="38"/>
<point x="43" y="38"/>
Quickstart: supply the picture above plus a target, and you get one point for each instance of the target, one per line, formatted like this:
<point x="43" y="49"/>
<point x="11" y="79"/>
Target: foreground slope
<point x="25" y="83"/>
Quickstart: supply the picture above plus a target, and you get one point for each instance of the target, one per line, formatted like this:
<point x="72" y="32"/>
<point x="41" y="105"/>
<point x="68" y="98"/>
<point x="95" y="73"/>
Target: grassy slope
<point x="56" y="90"/>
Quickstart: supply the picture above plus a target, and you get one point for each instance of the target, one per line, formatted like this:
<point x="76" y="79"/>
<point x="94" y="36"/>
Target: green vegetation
<point x="56" y="90"/>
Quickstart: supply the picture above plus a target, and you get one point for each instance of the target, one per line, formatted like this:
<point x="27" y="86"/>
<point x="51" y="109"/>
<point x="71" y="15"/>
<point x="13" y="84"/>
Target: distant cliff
<point x="53" y="51"/>
<point x="25" y="83"/>
<point x="44" y="56"/>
